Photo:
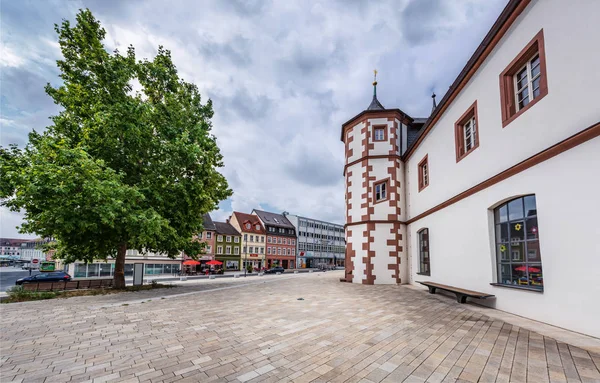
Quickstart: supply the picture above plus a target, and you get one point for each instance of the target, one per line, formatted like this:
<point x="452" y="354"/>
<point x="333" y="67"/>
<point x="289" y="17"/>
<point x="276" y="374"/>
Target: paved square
<point x="256" y="330"/>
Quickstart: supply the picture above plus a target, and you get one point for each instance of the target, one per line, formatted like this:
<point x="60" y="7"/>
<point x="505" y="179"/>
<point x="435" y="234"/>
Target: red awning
<point x="214" y="263"/>
<point x="191" y="262"/>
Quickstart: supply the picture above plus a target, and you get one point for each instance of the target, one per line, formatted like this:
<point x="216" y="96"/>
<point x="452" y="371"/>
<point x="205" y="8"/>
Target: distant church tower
<point x="375" y="202"/>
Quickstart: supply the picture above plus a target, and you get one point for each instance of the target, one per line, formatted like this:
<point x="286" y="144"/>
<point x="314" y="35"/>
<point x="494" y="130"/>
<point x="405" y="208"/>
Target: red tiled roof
<point x="242" y="218"/>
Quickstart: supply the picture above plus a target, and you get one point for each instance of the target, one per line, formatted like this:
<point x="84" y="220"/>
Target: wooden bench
<point x="461" y="294"/>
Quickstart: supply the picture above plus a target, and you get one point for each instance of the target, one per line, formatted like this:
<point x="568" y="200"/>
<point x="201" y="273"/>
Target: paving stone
<point x="340" y="332"/>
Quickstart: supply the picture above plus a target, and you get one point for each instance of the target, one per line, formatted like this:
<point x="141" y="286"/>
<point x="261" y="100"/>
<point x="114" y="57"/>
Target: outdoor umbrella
<point x="528" y="268"/>
<point x="214" y="263"/>
<point x="191" y="262"/>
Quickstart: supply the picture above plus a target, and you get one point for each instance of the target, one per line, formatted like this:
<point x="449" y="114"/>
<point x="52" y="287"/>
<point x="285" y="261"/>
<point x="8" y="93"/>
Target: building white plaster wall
<point x="462" y="251"/>
<point x="356" y="200"/>
<point x="382" y="233"/>
<point x="570" y="33"/>
<point x="357" y="239"/>
<point x="355" y="138"/>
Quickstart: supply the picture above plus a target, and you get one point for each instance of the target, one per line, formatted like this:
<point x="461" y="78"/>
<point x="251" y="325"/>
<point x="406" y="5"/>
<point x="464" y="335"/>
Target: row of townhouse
<point x="271" y="239"/>
<point x="260" y="239"/>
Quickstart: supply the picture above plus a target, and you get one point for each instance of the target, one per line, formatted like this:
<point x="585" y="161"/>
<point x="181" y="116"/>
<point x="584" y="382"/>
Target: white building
<point x="319" y="242"/>
<point x="498" y="190"/>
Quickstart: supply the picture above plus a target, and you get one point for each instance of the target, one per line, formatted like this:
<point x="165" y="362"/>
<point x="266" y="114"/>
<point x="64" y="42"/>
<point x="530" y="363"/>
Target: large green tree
<point x="120" y="167"/>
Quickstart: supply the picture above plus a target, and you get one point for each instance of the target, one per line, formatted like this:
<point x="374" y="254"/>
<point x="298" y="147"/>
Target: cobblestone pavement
<point x="259" y="331"/>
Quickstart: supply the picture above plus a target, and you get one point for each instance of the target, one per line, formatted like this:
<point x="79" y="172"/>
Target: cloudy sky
<point x="283" y="76"/>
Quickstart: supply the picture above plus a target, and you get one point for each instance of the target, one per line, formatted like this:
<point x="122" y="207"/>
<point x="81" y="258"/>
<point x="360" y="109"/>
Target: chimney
<point x="227" y="220"/>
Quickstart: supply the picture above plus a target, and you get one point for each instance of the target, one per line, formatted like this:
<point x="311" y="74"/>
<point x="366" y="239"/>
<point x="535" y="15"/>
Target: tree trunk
<point x="119" y="279"/>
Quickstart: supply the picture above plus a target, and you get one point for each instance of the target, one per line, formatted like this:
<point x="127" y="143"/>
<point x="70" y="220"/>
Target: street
<point x="8" y="276"/>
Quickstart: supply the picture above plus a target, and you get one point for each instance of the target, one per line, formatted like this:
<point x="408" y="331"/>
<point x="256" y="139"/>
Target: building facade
<point x="228" y="246"/>
<point x="479" y="197"/>
<point x="281" y="239"/>
<point x="253" y="238"/>
<point x="207" y="236"/>
<point x="319" y="242"/>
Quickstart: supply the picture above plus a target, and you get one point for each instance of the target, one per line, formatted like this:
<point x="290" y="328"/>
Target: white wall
<point x="568" y="207"/>
<point x="572" y="38"/>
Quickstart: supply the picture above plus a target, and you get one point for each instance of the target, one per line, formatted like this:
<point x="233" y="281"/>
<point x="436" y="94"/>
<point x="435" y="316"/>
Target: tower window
<point x="380" y="133"/>
<point x="380" y="190"/>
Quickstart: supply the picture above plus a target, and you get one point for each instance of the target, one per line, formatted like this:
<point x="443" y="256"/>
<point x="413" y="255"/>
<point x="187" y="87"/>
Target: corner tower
<point x="374" y="141"/>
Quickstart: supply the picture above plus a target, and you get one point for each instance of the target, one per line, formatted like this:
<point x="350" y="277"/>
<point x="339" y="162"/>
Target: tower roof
<point x="375" y="104"/>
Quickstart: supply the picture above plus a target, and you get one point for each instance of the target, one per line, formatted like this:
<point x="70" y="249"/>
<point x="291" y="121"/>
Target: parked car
<point x="55" y="276"/>
<point x="274" y="270"/>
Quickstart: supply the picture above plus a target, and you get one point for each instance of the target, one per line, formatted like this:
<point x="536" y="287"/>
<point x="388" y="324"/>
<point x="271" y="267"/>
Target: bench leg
<point x="461" y="298"/>
<point x="431" y="290"/>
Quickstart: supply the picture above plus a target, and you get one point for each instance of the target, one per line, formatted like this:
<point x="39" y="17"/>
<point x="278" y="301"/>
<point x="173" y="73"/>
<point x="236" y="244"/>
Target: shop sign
<point x="254" y="255"/>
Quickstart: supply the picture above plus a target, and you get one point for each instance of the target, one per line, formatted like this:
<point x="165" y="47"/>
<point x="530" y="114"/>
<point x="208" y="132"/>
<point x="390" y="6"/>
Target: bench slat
<point x="461" y="294"/>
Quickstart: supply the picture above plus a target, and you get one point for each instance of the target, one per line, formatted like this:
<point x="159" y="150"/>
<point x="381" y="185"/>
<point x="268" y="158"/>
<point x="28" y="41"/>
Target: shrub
<point x="19" y="294"/>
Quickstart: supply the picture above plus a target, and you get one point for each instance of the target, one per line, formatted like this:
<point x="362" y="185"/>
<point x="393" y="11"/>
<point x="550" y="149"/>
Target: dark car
<point x="55" y="276"/>
<point x="274" y="270"/>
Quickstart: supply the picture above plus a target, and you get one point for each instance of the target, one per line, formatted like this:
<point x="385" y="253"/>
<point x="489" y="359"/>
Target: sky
<point x="283" y="76"/>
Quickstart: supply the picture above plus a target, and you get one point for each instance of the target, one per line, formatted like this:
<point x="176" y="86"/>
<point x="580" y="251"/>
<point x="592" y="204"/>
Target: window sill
<point x="426" y="274"/>
<point x="516" y="287"/>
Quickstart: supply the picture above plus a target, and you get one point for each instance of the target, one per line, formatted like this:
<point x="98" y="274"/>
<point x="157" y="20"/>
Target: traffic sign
<point x="35" y="261"/>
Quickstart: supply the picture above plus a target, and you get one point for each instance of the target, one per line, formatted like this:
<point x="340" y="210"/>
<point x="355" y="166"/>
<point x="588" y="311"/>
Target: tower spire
<point x="434" y="103"/>
<point x="375" y="104"/>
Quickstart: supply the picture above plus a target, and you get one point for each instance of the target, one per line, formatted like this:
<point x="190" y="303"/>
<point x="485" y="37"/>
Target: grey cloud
<point x="283" y="76"/>
<point x="420" y="20"/>
<point x="236" y="51"/>
<point x="242" y="104"/>
<point x="314" y="169"/>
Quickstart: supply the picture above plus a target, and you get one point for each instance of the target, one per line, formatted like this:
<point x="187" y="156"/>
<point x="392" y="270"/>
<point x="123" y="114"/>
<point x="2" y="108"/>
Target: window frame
<point x="220" y="250"/>
<point x="460" y="144"/>
<point x="374" y="135"/>
<point x="506" y="257"/>
<point x="424" y="231"/>
<point x="385" y="182"/>
<point x="509" y="104"/>
<point x="425" y="162"/>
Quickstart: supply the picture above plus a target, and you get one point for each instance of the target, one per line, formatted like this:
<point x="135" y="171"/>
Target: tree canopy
<point x="128" y="163"/>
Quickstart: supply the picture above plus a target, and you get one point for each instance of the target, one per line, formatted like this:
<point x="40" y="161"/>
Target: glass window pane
<point x="129" y="269"/>
<point x="505" y="276"/>
<point x="80" y="270"/>
<point x="93" y="270"/>
<point x="167" y="269"/>
<point x="532" y="228"/>
<point x="105" y="269"/>
<point x="503" y="252"/>
<point x="535" y="276"/>
<point x="535" y="65"/>
<point x="536" y="92"/>
<point x="517" y="231"/>
<point x="501" y="214"/>
<point x="502" y="233"/>
<point x="517" y="252"/>
<point x="530" y="208"/>
<point x="515" y="209"/>
<point x="519" y="274"/>
<point x="533" y="251"/>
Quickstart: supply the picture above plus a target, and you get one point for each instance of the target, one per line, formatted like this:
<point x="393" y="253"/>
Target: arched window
<point x="517" y="243"/>
<point x="424" y="267"/>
